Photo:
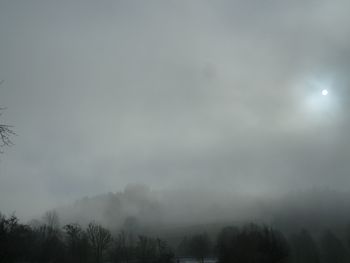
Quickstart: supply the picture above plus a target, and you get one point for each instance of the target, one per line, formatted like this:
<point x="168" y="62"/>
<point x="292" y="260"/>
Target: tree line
<point x="47" y="242"/>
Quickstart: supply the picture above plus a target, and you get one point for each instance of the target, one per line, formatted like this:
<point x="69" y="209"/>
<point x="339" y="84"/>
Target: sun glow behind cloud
<point x="324" y="92"/>
<point x="171" y="94"/>
<point x="319" y="103"/>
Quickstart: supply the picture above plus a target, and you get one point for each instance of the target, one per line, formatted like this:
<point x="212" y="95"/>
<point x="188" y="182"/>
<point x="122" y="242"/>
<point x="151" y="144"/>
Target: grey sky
<point x="174" y="94"/>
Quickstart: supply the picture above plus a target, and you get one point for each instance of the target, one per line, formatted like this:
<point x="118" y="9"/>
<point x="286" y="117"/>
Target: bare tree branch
<point x="6" y="131"/>
<point x="5" y="135"/>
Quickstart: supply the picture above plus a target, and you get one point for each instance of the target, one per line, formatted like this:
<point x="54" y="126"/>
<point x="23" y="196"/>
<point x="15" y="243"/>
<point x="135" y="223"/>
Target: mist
<point x="214" y="106"/>
<point x="174" y="131"/>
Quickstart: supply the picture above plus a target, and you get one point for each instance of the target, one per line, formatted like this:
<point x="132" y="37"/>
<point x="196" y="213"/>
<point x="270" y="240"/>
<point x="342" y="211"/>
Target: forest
<point x="256" y="243"/>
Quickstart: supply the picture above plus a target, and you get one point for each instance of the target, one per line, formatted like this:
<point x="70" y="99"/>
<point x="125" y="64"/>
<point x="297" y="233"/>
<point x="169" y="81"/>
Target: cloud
<point x="170" y="94"/>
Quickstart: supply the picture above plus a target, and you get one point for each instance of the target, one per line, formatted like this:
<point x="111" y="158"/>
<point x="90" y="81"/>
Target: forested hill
<point x="142" y="209"/>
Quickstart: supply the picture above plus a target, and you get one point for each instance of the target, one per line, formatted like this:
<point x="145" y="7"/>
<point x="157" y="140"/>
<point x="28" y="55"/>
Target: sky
<point x="217" y="95"/>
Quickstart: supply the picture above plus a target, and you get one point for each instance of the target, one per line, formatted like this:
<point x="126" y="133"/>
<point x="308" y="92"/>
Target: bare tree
<point x="332" y="247"/>
<point x="99" y="238"/>
<point x="252" y="243"/>
<point x="6" y="131"/>
<point x="199" y="246"/>
<point x="51" y="219"/>
<point x="123" y="248"/>
<point x="77" y="243"/>
<point x="5" y="135"/>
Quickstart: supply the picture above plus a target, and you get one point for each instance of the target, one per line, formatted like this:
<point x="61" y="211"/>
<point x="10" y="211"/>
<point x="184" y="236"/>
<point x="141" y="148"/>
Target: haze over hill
<point x="147" y="131"/>
<point x="141" y="210"/>
<point x="217" y="99"/>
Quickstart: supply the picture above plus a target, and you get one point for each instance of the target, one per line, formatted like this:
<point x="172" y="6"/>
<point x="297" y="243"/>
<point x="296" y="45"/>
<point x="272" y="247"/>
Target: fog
<point x="216" y="101"/>
<point x="176" y="213"/>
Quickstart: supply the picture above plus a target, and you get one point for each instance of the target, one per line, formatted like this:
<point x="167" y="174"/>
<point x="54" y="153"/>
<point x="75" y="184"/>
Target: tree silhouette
<point x="77" y="243"/>
<point x="49" y="246"/>
<point x="153" y="250"/>
<point x="5" y="135"/>
<point x="225" y="241"/>
<point x="99" y="239"/>
<point x="304" y="248"/>
<point x="15" y="240"/>
<point x="6" y="131"/>
<point x="51" y="219"/>
<point x="145" y="249"/>
<point x="123" y="249"/>
<point x="332" y="247"/>
<point x="253" y="244"/>
<point x="199" y="246"/>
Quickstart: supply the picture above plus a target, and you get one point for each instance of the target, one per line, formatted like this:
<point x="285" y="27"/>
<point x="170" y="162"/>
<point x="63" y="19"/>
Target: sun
<point x="324" y="92"/>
